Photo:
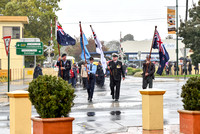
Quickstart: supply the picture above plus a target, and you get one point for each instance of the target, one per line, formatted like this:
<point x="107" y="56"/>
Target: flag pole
<point x="152" y="42"/>
<point x="151" y="48"/>
<point x="102" y="50"/>
<point x="58" y="46"/>
<point x="83" y="44"/>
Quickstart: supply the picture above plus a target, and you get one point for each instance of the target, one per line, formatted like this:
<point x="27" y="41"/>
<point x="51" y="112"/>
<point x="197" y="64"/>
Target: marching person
<point x="65" y="68"/>
<point x="100" y="75"/>
<point x="73" y="75"/>
<point x="84" y="75"/>
<point x="190" y="68"/>
<point x="91" y="69"/>
<point x="37" y="71"/>
<point x="148" y="73"/>
<point x="116" y="73"/>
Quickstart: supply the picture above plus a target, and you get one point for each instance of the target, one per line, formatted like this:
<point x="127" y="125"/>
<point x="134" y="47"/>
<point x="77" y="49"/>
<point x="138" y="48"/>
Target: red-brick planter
<point x="189" y="122"/>
<point x="52" y="125"/>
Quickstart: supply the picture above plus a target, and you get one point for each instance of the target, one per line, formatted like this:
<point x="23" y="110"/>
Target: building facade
<point x="12" y="26"/>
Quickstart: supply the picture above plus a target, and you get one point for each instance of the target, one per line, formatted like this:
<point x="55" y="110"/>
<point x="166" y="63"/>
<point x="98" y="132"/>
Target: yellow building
<point x="12" y="26"/>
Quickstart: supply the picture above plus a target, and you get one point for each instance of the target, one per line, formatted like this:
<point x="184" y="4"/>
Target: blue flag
<point x="63" y="38"/>
<point x="87" y="54"/>
<point x="164" y="57"/>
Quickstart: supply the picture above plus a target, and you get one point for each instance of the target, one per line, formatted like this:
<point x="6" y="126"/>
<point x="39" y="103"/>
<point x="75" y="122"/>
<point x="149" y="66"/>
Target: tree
<point x="3" y="5"/>
<point x="113" y="45"/>
<point x="190" y="31"/>
<point x="128" y="37"/>
<point x="39" y="12"/>
<point x="76" y="50"/>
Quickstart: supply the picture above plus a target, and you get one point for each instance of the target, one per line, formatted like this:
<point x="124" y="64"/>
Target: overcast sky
<point x="142" y="11"/>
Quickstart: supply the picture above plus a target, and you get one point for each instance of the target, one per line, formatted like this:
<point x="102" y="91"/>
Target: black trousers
<point x="85" y="82"/>
<point x="113" y="83"/>
<point x="147" y="80"/>
<point x="91" y="85"/>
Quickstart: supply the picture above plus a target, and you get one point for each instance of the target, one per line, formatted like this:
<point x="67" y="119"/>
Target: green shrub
<point x="132" y="71"/>
<point x="191" y="94"/>
<point x="138" y="74"/>
<point x="52" y="96"/>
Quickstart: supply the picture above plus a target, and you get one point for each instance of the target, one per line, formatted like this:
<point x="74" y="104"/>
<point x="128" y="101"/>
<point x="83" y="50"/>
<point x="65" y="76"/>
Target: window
<point x="14" y="32"/>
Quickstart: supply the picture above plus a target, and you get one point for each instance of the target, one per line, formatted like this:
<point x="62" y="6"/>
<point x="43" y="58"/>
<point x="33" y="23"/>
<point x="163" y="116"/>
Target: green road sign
<point x="29" y="48"/>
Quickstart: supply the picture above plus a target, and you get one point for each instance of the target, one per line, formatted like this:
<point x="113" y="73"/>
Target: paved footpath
<point x="105" y="116"/>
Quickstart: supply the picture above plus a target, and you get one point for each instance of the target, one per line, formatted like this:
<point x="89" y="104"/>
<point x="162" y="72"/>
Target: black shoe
<point x="113" y="97"/>
<point x="116" y="100"/>
<point x="88" y="98"/>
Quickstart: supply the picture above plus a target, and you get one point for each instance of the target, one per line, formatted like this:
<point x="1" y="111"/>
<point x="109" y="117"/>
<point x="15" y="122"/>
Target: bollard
<point x="20" y="112"/>
<point x="152" y="109"/>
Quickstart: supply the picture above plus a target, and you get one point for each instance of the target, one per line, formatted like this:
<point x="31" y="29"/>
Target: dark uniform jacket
<point x="151" y="70"/>
<point x="65" y="72"/>
<point x="37" y="72"/>
<point x="116" y="70"/>
<point x="100" y="70"/>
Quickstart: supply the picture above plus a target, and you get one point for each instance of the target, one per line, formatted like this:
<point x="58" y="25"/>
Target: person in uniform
<point x="116" y="72"/>
<point x="100" y="75"/>
<point x="148" y="73"/>
<point x="91" y="69"/>
<point x="37" y="71"/>
<point x="64" y="67"/>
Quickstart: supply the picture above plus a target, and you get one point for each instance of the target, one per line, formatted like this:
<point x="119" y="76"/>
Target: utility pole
<point x="177" y="37"/>
<point x="185" y="60"/>
<point x="120" y="49"/>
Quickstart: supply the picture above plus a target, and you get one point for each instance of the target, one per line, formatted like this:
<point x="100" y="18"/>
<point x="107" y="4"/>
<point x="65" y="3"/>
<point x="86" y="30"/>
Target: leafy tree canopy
<point x="39" y="12"/>
<point x="190" y="31"/>
<point x="128" y="37"/>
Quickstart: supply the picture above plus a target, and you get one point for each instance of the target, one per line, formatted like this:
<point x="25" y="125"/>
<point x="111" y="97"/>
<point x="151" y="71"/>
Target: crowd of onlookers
<point x="185" y="68"/>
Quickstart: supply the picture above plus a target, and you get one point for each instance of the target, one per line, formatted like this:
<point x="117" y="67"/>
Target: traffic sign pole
<point x="9" y="70"/>
<point x="7" y="40"/>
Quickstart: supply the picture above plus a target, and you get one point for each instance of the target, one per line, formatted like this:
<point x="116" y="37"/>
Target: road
<point x="104" y="115"/>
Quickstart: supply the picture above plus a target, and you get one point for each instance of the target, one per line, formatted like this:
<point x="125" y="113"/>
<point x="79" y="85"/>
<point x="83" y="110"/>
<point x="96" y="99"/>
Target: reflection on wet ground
<point x="104" y="115"/>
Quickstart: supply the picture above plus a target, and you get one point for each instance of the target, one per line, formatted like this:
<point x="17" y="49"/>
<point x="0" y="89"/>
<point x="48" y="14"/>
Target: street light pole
<point x="177" y="37"/>
<point x="185" y="60"/>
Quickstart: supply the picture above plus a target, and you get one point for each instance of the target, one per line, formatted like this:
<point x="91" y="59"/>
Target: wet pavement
<point x="105" y="116"/>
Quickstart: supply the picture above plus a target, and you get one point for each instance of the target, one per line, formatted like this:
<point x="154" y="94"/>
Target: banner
<point x="171" y="19"/>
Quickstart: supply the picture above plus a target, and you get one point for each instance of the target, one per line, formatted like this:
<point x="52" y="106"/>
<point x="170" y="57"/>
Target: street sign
<point x="7" y="40"/>
<point x="29" y="48"/>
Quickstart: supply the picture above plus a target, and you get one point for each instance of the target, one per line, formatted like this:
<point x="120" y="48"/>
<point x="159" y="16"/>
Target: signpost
<point x="29" y="48"/>
<point x="7" y="40"/>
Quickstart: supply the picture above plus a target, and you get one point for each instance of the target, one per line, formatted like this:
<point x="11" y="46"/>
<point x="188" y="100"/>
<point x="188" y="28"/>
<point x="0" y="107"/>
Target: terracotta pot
<point x="52" y="125"/>
<point x="189" y="122"/>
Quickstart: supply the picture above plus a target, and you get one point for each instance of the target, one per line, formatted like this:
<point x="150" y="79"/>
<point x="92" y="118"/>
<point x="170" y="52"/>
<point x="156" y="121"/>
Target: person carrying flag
<point x="148" y="73"/>
<point x="63" y="39"/>
<point x="91" y="69"/>
<point x="64" y="67"/>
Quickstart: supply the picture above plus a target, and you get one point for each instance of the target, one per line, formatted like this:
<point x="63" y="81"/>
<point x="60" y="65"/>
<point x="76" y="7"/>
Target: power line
<point x="117" y="21"/>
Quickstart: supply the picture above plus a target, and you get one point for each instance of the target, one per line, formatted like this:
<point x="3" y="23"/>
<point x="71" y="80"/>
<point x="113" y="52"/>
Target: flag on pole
<point x="157" y="40"/>
<point x="99" y="50"/>
<point x="63" y="38"/>
<point x="163" y="54"/>
<point x="85" y="42"/>
<point x="164" y="58"/>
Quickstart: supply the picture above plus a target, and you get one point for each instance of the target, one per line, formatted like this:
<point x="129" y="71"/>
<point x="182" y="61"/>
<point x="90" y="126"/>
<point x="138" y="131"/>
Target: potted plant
<point x="52" y="98"/>
<point x="190" y="116"/>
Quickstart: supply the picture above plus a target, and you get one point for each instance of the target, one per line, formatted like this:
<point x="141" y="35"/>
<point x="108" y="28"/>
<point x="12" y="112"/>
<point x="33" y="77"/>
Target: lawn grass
<point x="177" y="76"/>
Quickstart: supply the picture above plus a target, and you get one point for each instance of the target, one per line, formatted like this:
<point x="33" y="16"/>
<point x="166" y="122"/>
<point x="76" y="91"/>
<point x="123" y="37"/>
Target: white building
<point x="133" y="47"/>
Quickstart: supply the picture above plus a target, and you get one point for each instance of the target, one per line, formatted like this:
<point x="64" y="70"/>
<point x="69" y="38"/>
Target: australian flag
<point x="164" y="57"/>
<point x="63" y="38"/>
<point x="163" y="54"/>
<point x="157" y="40"/>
